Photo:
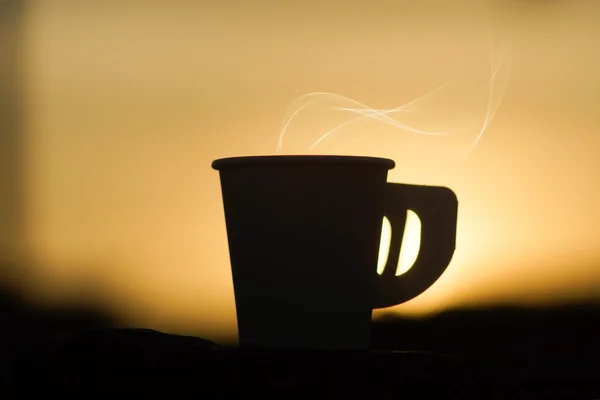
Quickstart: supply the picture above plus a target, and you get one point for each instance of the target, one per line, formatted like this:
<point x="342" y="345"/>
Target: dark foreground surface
<point x="506" y="353"/>
<point x="145" y="362"/>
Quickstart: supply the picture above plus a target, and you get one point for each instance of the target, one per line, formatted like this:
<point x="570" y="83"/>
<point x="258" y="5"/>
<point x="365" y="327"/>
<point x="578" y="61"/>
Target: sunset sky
<point x="128" y="102"/>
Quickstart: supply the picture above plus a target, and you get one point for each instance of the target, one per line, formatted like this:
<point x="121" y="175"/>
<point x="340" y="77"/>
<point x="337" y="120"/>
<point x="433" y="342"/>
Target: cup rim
<point x="239" y="161"/>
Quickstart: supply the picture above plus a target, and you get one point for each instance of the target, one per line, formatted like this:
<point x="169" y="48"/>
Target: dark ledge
<point x="142" y="360"/>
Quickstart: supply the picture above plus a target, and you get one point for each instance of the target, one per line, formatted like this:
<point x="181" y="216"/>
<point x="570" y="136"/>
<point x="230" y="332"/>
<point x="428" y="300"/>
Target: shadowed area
<point x="546" y="349"/>
<point x="25" y="324"/>
<point x="497" y="353"/>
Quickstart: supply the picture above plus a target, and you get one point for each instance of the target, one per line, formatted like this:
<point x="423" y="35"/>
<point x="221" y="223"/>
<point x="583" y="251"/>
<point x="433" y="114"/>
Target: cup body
<point x="303" y="234"/>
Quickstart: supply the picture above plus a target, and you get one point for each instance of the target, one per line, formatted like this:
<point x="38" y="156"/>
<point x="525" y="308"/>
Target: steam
<point x="447" y="121"/>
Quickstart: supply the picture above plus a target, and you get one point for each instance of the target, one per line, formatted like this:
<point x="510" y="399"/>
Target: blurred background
<point x="111" y="113"/>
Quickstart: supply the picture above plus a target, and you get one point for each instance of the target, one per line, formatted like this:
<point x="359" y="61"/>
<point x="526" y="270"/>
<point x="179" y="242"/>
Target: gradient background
<point x="114" y="110"/>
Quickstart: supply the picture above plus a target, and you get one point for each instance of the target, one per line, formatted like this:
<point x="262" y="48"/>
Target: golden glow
<point x="129" y="102"/>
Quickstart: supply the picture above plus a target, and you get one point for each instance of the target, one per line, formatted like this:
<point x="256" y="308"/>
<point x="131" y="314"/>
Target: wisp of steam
<point x="446" y="122"/>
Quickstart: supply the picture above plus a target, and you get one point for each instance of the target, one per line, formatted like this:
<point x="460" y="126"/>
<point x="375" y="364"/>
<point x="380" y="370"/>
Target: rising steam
<point x="447" y="122"/>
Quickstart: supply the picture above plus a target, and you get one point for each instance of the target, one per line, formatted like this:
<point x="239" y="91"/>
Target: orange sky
<point x="129" y="104"/>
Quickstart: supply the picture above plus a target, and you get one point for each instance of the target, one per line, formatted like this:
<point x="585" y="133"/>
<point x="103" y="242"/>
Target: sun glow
<point x="124" y="112"/>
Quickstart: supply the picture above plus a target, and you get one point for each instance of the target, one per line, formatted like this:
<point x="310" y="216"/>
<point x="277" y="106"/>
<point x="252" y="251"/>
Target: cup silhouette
<point x="304" y="233"/>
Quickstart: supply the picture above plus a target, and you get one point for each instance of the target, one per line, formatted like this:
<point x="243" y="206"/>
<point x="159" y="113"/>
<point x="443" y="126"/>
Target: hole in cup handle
<point x="409" y="247"/>
<point x="437" y="208"/>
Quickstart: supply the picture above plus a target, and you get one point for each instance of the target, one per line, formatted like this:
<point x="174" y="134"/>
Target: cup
<point x="303" y="234"/>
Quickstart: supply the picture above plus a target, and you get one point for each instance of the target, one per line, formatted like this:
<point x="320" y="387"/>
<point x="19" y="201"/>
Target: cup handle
<point x="437" y="208"/>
